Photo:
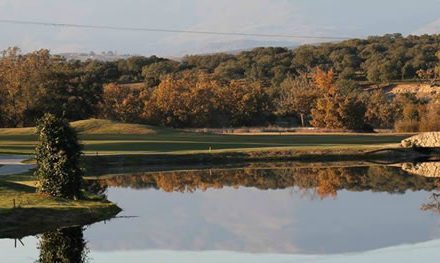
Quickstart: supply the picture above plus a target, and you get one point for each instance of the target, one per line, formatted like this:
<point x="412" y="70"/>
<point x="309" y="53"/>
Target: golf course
<point x="103" y="137"/>
<point x="108" y="145"/>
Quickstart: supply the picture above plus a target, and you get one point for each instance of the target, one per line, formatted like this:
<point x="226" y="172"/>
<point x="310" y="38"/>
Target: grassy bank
<point x="103" y="164"/>
<point x="24" y="212"/>
<point x="101" y="137"/>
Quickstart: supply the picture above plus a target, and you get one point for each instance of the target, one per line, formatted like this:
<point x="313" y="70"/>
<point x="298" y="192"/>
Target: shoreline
<point x="368" y="154"/>
<point x="30" y="219"/>
<point x="17" y="223"/>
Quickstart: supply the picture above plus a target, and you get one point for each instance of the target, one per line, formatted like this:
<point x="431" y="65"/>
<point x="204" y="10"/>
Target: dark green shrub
<point x="57" y="155"/>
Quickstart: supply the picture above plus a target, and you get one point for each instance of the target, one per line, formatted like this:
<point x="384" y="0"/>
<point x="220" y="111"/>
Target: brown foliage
<point x="430" y="120"/>
<point x="335" y="110"/>
<point x="418" y="116"/>
<point x="198" y="99"/>
<point x="339" y="112"/>
<point x="121" y="103"/>
<point x="20" y="79"/>
<point x="189" y="99"/>
<point x="325" y="80"/>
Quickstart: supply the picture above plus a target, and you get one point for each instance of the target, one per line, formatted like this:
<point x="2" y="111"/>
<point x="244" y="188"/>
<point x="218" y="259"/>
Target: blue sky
<point x="300" y="17"/>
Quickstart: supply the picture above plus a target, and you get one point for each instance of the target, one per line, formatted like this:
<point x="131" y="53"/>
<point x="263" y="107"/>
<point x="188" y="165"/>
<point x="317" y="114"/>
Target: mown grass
<point x="100" y="137"/>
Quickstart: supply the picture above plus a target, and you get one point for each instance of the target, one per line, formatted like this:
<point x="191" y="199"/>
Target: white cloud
<point x="431" y="28"/>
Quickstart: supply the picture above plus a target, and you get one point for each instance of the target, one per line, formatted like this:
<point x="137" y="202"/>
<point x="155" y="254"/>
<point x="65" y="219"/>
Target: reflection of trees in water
<point x="63" y="246"/>
<point x="324" y="182"/>
<point x="433" y="205"/>
<point x="94" y="187"/>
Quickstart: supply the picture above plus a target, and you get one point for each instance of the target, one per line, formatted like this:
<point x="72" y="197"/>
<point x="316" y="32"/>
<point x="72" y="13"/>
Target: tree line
<point x="319" y="85"/>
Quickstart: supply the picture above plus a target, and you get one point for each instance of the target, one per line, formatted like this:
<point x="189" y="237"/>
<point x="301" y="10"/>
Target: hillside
<point x="420" y="90"/>
<point x="97" y="126"/>
<point x="93" y="126"/>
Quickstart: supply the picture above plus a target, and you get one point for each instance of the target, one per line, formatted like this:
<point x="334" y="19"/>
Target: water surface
<point x="270" y="213"/>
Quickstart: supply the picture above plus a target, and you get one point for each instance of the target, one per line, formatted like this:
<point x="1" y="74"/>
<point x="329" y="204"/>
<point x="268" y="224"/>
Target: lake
<point x="281" y="212"/>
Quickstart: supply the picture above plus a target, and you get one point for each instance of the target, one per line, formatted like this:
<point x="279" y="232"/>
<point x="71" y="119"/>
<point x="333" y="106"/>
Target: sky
<point x="345" y="18"/>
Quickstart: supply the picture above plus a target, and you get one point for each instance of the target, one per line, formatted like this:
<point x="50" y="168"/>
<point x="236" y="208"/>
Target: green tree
<point x="244" y="102"/>
<point x="382" y="111"/>
<point x="297" y="97"/>
<point x="437" y="68"/>
<point x="58" y="154"/>
<point x="154" y="72"/>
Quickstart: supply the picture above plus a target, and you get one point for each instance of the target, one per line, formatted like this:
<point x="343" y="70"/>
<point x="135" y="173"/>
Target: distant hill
<point x="233" y="47"/>
<point x="104" y="56"/>
<point x="228" y="47"/>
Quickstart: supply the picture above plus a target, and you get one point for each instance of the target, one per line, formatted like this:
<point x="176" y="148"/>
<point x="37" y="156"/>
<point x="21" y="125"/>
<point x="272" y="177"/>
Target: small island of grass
<point x="57" y="199"/>
<point x="36" y="213"/>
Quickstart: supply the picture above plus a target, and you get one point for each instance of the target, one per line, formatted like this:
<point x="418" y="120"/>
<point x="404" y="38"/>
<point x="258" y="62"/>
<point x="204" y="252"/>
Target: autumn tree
<point x="410" y="112"/>
<point x="339" y="112"/>
<point x="185" y="100"/>
<point x="37" y="82"/>
<point x="122" y="103"/>
<point x="431" y="118"/>
<point x="199" y="99"/>
<point x="244" y="103"/>
<point x="335" y="110"/>
<point x="325" y="80"/>
<point x="21" y="77"/>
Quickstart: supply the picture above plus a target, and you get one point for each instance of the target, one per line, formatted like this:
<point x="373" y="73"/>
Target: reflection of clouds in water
<point x="12" y="164"/>
<point x="262" y="212"/>
<point x="258" y="219"/>
<point x="265" y="210"/>
<point x="408" y="253"/>
<point x="419" y="252"/>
